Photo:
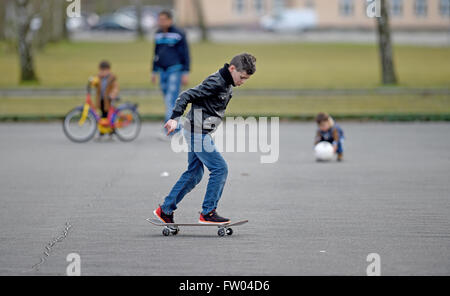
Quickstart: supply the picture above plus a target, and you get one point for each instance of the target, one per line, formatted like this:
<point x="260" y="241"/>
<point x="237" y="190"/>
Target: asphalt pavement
<point x="389" y="196"/>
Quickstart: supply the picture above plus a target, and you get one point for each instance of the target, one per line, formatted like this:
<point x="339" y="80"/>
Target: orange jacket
<point x="112" y="90"/>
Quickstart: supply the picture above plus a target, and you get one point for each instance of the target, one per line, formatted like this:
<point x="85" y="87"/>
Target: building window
<point x="239" y="6"/>
<point x="346" y="7"/>
<point x="396" y="7"/>
<point x="259" y="6"/>
<point x="421" y="8"/>
<point x="444" y="8"/>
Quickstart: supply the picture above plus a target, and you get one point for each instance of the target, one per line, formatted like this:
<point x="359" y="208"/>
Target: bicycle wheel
<point x="127" y="124"/>
<point x="76" y="130"/>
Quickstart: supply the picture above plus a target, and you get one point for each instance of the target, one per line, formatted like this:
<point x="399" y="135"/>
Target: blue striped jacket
<point x="171" y="51"/>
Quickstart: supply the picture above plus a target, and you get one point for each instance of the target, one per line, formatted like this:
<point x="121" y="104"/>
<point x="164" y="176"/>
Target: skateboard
<point x="172" y="228"/>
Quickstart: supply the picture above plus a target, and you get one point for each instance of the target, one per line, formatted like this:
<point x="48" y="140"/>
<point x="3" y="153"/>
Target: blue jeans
<point x="170" y="83"/>
<point x="202" y="151"/>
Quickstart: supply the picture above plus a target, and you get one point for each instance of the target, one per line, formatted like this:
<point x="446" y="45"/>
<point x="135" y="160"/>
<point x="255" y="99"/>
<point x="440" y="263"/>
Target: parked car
<point x="116" y="22"/>
<point x="85" y="22"/>
<point x="290" y="20"/>
<point x="125" y="19"/>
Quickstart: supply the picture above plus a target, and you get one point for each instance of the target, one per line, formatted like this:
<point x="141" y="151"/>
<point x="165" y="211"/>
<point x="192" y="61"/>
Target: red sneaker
<point x="212" y="218"/>
<point x="162" y="216"/>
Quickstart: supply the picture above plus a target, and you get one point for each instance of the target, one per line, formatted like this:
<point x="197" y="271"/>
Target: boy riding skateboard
<point x="208" y="103"/>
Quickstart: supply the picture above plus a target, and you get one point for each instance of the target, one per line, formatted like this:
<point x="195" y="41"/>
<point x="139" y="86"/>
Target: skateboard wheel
<point x="221" y="232"/>
<point x="166" y="232"/>
<point x="229" y="231"/>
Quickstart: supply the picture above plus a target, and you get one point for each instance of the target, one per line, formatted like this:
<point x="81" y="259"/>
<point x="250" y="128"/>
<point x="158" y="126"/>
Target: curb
<point x="389" y="117"/>
<point x="144" y="92"/>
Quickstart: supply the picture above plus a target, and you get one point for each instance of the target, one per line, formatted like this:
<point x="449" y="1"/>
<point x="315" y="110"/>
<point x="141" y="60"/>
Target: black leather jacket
<point x="208" y="102"/>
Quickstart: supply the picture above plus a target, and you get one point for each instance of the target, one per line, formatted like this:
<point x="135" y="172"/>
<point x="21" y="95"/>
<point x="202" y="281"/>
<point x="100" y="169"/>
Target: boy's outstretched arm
<point x="170" y="126"/>
<point x="207" y="88"/>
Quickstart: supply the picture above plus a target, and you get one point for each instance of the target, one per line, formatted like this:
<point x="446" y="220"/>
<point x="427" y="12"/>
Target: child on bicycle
<point x="330" y="132"/>
<point x="208" y="103"/>
<point x="107" y="87"/>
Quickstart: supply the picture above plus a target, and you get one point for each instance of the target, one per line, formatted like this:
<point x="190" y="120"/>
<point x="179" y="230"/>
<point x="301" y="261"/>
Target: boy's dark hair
<point x="244" y="62"/>
<point x="321" y="117"/>
<point x="104" y="65"/>
<point x="167" y="13"/>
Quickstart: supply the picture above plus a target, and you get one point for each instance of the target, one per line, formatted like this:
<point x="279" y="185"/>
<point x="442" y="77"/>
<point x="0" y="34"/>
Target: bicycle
<point x="81" y="123"/>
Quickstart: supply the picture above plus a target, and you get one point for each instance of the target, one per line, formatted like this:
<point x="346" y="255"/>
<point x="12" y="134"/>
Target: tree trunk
<point x="65" y="32"/>
<point x="10" y="25"/>
<point x="140" y="30"/>
<point x="2" y="19"/>
<point x="45" y="10"/>
<point x="201" y="19"/>
<point x="385" y="45"/>
<point x="57" y="20"/>
<point x="24" y="36"/>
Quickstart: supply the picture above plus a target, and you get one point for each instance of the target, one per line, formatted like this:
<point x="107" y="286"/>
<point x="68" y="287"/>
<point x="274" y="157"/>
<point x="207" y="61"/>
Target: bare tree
<point x="24" y="13"/>
<point x="58" y="20"/>
<point x="9" y="25"/>
<point x="43" y="35"/>
<point x="2" y="19"/>
<point x="53" y="22"/>
<point x="385" y="44"/>
<point x="138" y="6"/>
<point x="201" y="19"/>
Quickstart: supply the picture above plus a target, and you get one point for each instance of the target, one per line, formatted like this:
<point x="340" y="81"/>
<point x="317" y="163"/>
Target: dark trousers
<point x="102" y="107"/>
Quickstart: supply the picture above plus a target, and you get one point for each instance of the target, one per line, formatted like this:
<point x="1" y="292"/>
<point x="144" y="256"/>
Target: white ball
<point x="324" y="151"/>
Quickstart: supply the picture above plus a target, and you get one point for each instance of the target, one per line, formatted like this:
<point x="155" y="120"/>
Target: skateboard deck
<point x="172" y="228"/>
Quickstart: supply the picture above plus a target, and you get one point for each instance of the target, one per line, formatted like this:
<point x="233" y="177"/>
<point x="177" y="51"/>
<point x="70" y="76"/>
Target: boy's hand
<point x="185" y="79"/>
<point x="170" y="126"/>
<point x="154" y="78"/>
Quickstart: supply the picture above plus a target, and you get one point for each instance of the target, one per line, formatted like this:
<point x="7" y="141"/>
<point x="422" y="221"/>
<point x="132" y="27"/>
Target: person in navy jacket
<point x="170" y="61"/>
